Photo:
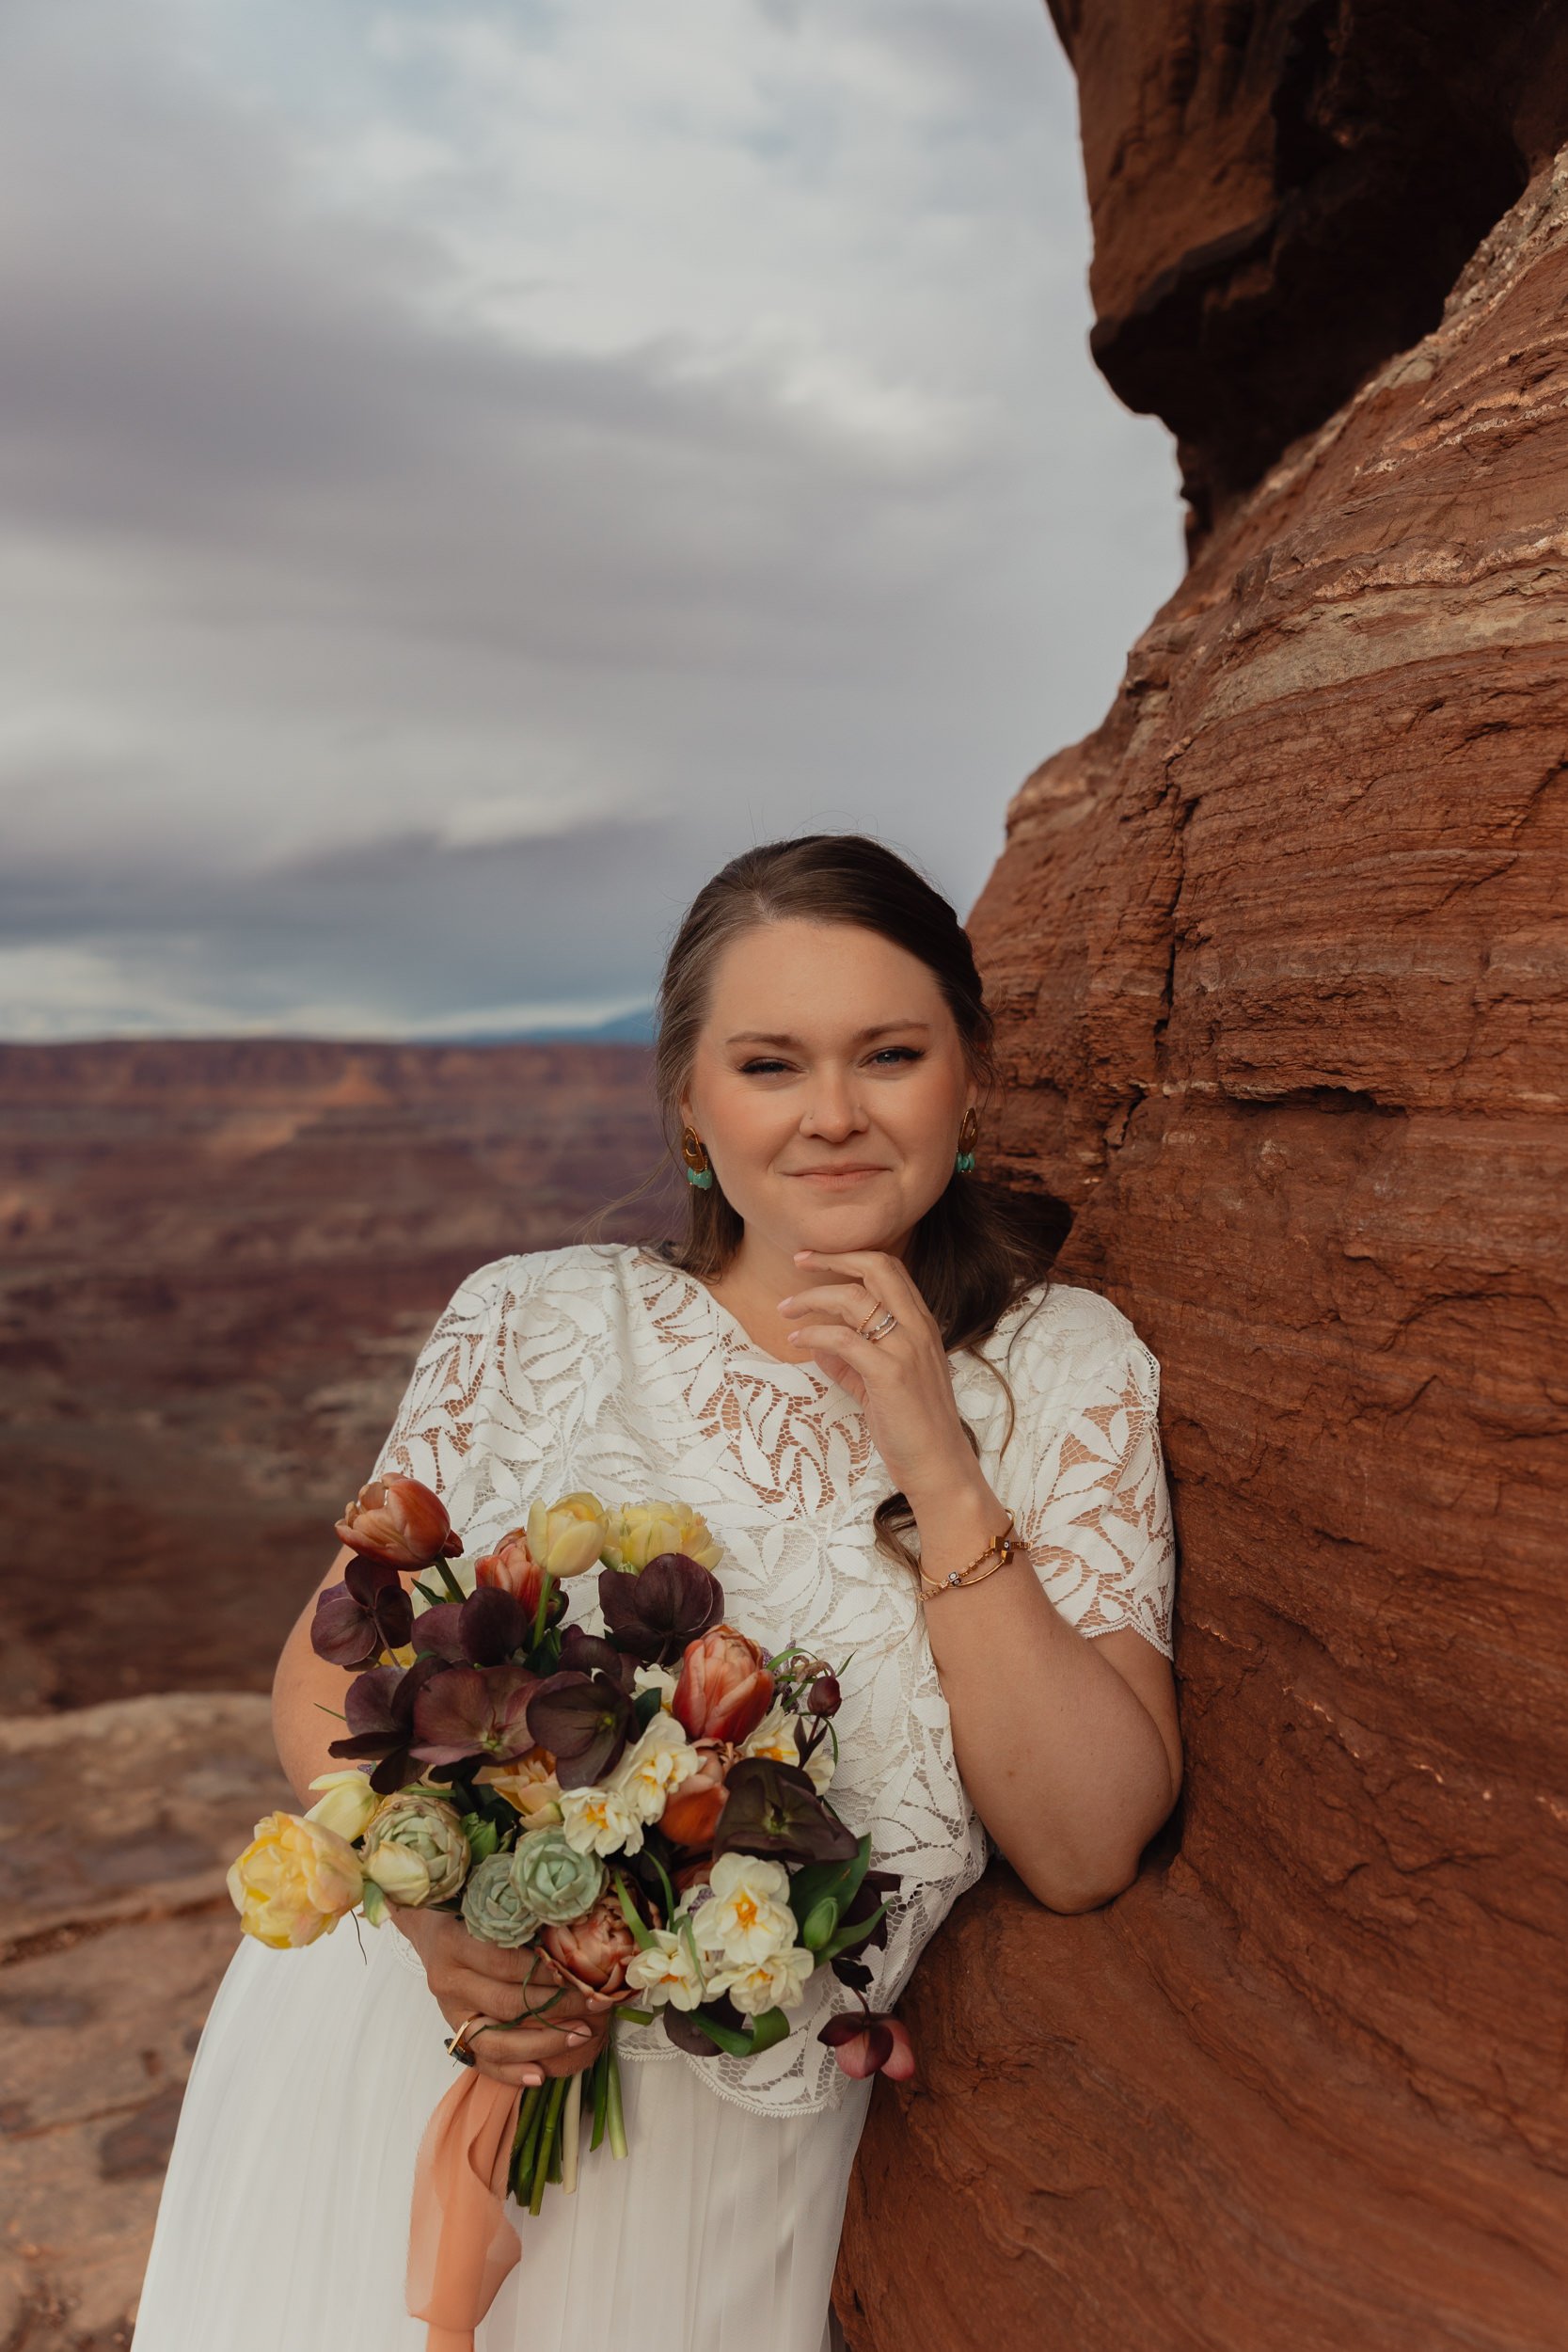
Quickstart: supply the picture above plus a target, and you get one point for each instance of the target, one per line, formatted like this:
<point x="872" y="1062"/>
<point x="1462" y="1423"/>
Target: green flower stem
<point x="454" y="1590"/>
<point x="614" y="2112"/>
<point x="571" y="2134"/>
<point x="546" y="2153"/>
<point x="529" y="2116"/>
<point x="599" y="2072"/>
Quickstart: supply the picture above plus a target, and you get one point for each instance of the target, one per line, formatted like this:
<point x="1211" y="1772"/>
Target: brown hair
<point x="979" y="1248"/>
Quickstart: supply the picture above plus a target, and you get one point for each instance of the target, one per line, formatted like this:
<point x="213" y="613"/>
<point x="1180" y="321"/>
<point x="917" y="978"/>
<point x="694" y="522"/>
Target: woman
<point x="855" y="1368"/>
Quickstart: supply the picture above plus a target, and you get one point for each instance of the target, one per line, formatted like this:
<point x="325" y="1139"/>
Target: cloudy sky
<point x="467" y="470"/>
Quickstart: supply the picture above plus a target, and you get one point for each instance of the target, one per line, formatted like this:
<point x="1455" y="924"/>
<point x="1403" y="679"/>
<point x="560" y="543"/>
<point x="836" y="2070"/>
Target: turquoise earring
<point x="699" y="1167"/>
<point x="964" y="1158"/>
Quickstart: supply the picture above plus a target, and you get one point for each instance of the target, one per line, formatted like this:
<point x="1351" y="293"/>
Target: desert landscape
<point x="220" y="1262"/>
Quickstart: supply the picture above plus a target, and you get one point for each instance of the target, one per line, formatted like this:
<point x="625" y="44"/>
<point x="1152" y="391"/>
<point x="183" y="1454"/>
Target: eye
<point x="752" y="1069"/>
<point x="908" y="1052"/>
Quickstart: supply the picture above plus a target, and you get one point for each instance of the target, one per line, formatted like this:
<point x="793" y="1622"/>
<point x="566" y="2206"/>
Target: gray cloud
<point x="363" y="617"/>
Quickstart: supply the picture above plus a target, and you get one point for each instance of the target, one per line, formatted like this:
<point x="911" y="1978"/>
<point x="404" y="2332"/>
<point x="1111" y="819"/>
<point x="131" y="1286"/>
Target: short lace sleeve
<point x="434" y="1435"/>
<point x="1095" y="1513"/>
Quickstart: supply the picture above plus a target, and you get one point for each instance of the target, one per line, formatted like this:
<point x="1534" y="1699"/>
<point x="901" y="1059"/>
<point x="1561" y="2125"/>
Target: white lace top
<point x="601" y="1366"/>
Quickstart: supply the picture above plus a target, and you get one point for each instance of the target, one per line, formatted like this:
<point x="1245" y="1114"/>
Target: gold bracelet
<point x="1005" y="1545"/>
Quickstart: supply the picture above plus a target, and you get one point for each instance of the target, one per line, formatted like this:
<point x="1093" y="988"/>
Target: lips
<point x="854" y="1169"/>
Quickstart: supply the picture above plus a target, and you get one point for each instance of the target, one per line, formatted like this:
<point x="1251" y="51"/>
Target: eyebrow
<point x="861" y="1037"/>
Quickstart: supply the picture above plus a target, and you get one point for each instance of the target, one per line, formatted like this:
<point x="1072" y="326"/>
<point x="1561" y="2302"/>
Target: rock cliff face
<point x="218" y="1262"/>
<point x="1282" y="969"/>
<point x="1284" y="191"/>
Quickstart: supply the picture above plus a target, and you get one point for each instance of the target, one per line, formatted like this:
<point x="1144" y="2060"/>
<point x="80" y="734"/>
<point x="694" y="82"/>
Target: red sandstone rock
<point x="116" y="1824"/>
<point x="218" y="1261"/>
<point x="1283" y="192"/>
<point x="1282" y="967"/>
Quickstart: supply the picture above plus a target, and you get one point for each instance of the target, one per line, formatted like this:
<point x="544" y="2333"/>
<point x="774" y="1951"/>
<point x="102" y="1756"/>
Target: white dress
<point x="284" y="2216"/>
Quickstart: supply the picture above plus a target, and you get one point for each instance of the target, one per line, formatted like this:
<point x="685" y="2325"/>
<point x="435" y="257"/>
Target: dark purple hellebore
<point x="379" y="1711"/>
<point x="584" y="1720"/>
<point x="484" y="1630"/>
<point x="585" y="1654"/>
<point x="368" y="1612"/>
<point x="772" y="1808"/>
<point x="654" y="1614"/>
<point x="474" y="1711"/>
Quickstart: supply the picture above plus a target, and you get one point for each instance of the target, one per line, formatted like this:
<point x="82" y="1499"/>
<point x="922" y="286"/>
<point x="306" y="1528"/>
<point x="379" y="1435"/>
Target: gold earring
<point x="699" y="1167"/>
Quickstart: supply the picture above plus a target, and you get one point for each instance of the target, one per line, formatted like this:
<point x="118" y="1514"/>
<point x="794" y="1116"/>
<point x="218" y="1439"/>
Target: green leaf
<point x="644" y="1707"/>
<point x="374" y="1903"/>
<point x="819" y="1922"/>
<point x="722" y="2037"/>
<point x="483" y="1835"/>
<point x="848" y="1937"/>
<point x="638" y="2016"/>
<point x="816" y="1879"/>
<point x="768" y="2026"/>
<point x="634" y="1917"/>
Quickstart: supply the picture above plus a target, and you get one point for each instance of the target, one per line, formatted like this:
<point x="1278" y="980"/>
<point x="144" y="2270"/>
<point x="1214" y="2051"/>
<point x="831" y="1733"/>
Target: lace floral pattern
<point x="601" y="1366"/>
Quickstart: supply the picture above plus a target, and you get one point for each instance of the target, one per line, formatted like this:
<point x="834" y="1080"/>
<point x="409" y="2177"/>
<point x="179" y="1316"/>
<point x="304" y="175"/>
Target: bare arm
<point x="307" y="1698"/>
<point x="465" y="1975"/>
<point x="1072" y="1790"/>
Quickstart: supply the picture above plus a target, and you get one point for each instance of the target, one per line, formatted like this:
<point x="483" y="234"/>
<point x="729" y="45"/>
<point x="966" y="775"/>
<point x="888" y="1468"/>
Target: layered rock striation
<point x="220" y="1260"/>
<point x="1281" y="964"/>
<point x="1283" y="193"/>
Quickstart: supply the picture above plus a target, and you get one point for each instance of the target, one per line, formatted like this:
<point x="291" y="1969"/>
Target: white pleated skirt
<point x="284" y="2219"/>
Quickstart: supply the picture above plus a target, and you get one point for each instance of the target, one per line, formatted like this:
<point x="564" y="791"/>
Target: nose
<point x="835" y="1114"/>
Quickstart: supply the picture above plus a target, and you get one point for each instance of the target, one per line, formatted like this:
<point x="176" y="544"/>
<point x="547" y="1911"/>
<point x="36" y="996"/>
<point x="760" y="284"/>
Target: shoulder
<point x="572" y="1269"/>
<point x="1060" y="1335"/>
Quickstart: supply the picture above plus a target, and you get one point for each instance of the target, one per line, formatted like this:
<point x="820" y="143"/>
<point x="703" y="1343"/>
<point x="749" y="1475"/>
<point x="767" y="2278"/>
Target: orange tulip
<point x="398" y="1521"/>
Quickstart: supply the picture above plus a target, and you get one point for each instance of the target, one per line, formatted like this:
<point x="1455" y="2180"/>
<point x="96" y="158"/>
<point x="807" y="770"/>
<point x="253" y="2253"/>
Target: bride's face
<point x="829" y="1085"/>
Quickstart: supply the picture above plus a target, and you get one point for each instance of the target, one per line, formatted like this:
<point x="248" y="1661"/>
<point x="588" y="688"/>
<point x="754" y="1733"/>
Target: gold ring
<point x="879" y="1330"/>
<point x="458" y="2046"/>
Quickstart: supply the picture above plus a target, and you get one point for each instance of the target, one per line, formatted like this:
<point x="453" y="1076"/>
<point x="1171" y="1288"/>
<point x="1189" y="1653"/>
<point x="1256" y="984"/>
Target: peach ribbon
<point x="461" y="2244"/>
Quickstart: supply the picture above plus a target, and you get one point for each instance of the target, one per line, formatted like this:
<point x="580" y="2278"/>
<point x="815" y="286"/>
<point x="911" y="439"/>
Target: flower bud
<point x="870" y="2045"/>
<point x="567" y="1536"/>
<point x="399" y="1873"/>
<point x="593" y="1950"/>
<point x="347" y="1803"/>
<point x="398" y="1521"/>
<point x="512" y="1568"/>
<point x="691" y="1811"/>
<point x="725" y="1688"/>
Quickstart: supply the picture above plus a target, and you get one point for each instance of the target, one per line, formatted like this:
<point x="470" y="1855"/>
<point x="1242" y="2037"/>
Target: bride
<point x="856" y="1367"/>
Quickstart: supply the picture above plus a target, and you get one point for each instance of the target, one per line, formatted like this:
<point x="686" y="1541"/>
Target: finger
<point x="887" y="1278"/>
<point x="852" y="1301"/>
<point x="550" y="2004"/>
<point x="527" y="2045"/>
<point x="509" y="2053"/>
<point x="855" y="1351"/>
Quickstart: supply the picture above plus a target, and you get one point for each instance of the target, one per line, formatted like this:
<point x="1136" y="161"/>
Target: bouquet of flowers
<point x="648" y="1807"/>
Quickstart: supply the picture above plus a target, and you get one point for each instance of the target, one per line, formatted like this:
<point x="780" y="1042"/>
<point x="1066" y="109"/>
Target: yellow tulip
<point x="638" y="1532"/>
<point x="347" y="1805"/>
<point x="567" y="1536"/>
